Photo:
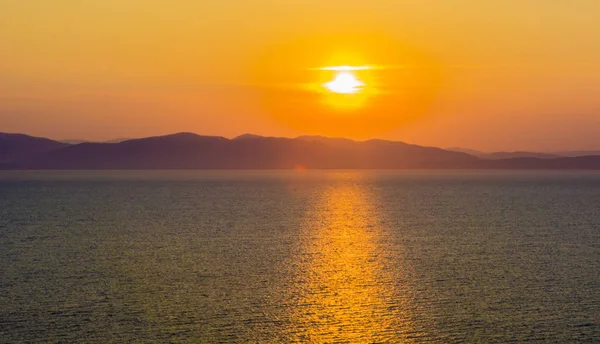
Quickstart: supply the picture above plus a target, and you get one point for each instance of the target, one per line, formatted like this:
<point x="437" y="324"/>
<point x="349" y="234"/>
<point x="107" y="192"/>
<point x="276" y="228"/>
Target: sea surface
<point x="297" y="256"/>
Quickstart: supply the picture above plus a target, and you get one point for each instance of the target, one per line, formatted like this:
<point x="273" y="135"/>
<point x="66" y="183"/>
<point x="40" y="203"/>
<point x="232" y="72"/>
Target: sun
<point x="345" y="82"/>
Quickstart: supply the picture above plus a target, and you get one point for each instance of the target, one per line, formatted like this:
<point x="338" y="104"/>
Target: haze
<point x="494" y="75"/>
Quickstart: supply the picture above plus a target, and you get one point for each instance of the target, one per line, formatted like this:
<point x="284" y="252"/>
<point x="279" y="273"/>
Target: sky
<point x="488" y="75"/>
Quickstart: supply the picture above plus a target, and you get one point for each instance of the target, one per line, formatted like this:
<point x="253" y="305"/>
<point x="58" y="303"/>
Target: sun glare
<point x="345" y="82"/>
<point x="346" y="68"/>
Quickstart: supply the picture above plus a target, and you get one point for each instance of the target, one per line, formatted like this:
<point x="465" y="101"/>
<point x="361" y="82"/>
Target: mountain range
<point x="192" y="151"/>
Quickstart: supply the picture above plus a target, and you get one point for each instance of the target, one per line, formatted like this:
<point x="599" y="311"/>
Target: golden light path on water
<point x="346" y="294"/>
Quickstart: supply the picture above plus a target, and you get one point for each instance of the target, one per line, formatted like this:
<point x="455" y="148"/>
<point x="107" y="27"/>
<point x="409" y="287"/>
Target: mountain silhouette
<point x="468" y="151"/>
<point x="247" y="137"/>
<point x="19" y="147"/>
<point x="192" y="151"/>
<point x="78" y="141"/>
<point x="512" y="155"/>
<point x="577" y="153"/>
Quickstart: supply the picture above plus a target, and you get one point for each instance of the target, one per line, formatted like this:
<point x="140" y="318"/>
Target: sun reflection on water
<point x="345" y="293"/>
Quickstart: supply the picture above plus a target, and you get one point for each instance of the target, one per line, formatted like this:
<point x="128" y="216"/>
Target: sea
<point x="299" y="257"/>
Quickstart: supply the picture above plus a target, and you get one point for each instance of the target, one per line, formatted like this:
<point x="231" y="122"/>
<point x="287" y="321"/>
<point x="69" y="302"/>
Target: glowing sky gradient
<point x="489" y="75"/>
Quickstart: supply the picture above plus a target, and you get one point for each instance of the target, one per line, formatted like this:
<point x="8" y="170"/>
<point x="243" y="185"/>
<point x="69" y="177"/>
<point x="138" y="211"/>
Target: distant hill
<point x="247" y="137"/>
<point x="76" y="141"/>
<point x="317" y="138"/>
<point x="73" y="141"/>
<point x="14" y="147"/>
<point x="577" y="153"/>
<point x="581" y="162"/>
<point x="118" y="140"/>
<point x="192" y="151"/>
<point x="506" y="155"/>
<point x="512" y="155"/>
<point x="468" y="151"/>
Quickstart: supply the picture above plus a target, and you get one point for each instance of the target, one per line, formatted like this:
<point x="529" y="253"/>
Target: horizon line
<point x="450" y="148"/>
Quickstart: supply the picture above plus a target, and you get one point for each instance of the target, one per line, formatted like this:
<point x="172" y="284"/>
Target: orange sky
<point x="488" y="75"/>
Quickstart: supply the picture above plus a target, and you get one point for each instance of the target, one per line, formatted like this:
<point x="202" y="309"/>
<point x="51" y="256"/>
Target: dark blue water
<point x="299" y="257"/>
